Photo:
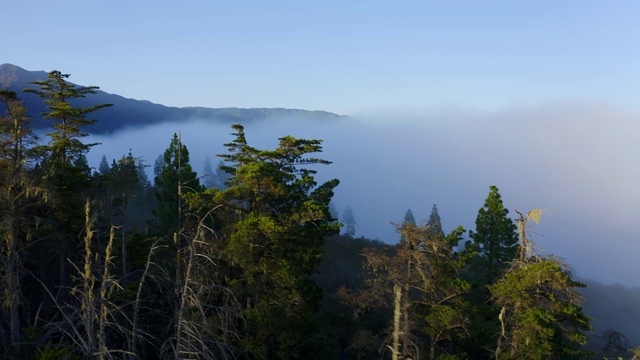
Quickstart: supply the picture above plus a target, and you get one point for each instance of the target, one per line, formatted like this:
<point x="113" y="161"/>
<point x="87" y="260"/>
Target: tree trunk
<point x="397" y="300"/>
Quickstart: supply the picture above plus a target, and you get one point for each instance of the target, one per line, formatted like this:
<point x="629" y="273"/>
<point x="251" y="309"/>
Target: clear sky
<point x="347" y="57"/>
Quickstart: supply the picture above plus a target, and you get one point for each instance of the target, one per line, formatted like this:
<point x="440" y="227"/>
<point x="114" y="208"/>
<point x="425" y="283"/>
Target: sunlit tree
<point x="277" y="217"/>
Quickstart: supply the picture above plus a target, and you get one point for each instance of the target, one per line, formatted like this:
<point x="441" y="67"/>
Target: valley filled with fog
<point x="575" y="160"/>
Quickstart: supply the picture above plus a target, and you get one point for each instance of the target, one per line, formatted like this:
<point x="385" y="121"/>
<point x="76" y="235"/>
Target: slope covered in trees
<point x="108" y="265"/>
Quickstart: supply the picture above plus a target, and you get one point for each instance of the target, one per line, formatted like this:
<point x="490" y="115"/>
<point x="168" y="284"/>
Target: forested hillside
<point x="250" y="260"/>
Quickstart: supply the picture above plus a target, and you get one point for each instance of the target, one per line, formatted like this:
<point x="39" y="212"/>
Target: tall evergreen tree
<point x="409" y="219"/>
<point x="175" y="178"/>
<point x="495" y="245"/>
<point x="276" y="220"/>
<point x="103" y="168"/>
<point x="221" y="177"/>
<point x="349" y="222"/>
<point x="434" y="224"/>
<point x="333" y="211"/>
<point x="124" y="184"/>
<point x="158" y="165"/>
<point x="495" y="239"/>
<point x="66" y="169"/>
<point x="69" y="121"/>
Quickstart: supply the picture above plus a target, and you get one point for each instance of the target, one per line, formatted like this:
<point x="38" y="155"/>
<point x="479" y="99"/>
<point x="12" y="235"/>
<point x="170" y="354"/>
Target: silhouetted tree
<point x="409" y="219"/>
<point x="495" y="239"/>
<point x="66" y="170"/>
<point x="175" y="178"/>
<point x="434" y="224"/>
<point x="103" y="168"/>
<point x="349" y="222"/>
<point x="208" y="175"/>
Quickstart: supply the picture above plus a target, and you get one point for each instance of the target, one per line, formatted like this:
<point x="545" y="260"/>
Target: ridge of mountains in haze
<point x="131" y="112"/>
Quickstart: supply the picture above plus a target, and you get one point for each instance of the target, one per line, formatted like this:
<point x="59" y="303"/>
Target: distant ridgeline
<point x="130" y="112"/>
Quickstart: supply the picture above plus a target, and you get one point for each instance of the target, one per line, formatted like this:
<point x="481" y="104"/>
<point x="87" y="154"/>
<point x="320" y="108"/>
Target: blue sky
<point x="348" y="57"/>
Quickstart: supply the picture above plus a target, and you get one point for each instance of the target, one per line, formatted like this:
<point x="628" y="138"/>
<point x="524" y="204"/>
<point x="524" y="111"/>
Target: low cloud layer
<point x="578" y="160"/>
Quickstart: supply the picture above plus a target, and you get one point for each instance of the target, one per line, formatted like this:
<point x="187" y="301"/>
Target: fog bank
<point x="575" y="159"/>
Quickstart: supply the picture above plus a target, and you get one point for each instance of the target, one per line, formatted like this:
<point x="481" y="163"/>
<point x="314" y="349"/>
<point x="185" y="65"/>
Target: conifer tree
<point x="494" y="244"/>
<point x="349" y="222"/>
<point x="65" y="166"/>
<point x="103" y="168"/>
<point x="69" y="121"/>
<point x="207" y="174"/>
<point x="276" y="220"/>
<point x="174" y="178"/>
<point x="495" y="239"/>
<point x="409" y="219"/>
<point x="434" y="223"/>
<point x="124" y="184"/>
<point x="221" y="177"/>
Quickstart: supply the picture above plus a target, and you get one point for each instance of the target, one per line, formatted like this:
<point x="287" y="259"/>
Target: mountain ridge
<point x="129" y="112"/>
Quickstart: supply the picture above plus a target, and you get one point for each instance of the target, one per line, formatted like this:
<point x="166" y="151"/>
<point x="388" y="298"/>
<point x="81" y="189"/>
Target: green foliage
<point x="276" y="220"/>
<point x="540" y="312"/>
<point x="65" y="144"/>
<point x="540" y="316"/>
<point x="239" y="280"/>
<point x="16" y="137"/>
<point x="56" y="352"/>
<point x="124" y="181"/>
<point x="425" y="269"/>
<point x="495" y="240"/>
<point x="174" y="178"/>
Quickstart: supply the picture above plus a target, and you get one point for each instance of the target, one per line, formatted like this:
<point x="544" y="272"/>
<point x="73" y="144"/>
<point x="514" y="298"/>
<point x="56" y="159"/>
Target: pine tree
<point x="495" y="239"/>
<point x="409" y="219"/>
<point x="66" y="171"/>
<point x="221" y="177"/>
<point x="207" y="174"/>
<point x="276" y="220"/>
<point x="69" y="121"/>
<point x="434" y="223"/>
<point x="333" y="211"/>
<point x="173" y="179"/>
<point x="103" y="168"/>
<point x="349" y="222"/>
<point x="494" y="244"/>
<point x="124" y="184"/>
